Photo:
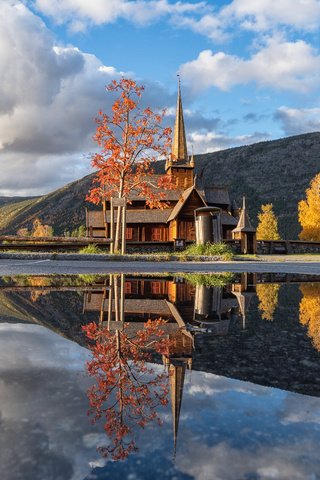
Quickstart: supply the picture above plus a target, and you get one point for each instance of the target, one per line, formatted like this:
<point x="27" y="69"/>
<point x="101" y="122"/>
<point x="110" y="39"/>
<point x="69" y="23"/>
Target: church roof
<point x="227" y="219"/>
<point x="217" y="195"/>
<point x="146" y="216"/>
<point x="184" y="197"/>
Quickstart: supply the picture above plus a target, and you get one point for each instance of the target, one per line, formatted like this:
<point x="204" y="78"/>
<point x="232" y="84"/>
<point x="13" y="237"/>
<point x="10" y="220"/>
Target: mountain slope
<point x="63" y="209"/>
<point x="278" y="171"/>
<point x="275" y="172"/>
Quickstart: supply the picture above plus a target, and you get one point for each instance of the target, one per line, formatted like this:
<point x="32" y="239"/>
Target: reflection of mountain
<point x="58" y="311"/>
<point x="230" y="337"/>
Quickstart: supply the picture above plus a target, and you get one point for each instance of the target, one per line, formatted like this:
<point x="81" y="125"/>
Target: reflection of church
<point x="189" y="309"/>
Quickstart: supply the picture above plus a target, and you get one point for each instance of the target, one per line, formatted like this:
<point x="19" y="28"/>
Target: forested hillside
<point x="278" y="171"/>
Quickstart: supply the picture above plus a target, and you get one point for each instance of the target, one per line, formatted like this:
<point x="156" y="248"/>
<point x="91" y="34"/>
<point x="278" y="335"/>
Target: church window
<point x="156" y="234"/>
<point x="129" y="233"/>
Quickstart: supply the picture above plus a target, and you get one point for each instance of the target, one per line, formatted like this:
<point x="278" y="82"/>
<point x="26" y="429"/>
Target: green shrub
<point x="210" y="249"/>
<point x="90" y="249"/>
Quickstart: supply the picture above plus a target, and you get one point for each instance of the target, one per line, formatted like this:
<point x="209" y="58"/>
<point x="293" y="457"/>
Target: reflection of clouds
<point x="37" y="347"/>
<point x="240" y="430"/>
<point x="294" y="413"/>
<point x="228" y="429"/>
<point x="223" y="462"/>
<point x="43" y="406"/>
<point x="25" y="453"/>
<point x="208" y="384"/>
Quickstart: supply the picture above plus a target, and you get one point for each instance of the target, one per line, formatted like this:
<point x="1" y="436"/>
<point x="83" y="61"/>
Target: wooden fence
<point x="12" y="242"/>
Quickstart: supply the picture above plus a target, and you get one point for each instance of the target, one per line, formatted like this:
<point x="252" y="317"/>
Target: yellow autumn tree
<point x="309" y="212"/>
<point x="268" y="299"/>
<point x="40" y="230"/>
<point x="268" y="224"/>
<point x="310" y="311"/>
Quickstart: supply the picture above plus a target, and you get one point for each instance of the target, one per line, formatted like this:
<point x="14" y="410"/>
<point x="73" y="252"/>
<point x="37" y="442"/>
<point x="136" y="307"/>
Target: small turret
<point x="245" y="232"/>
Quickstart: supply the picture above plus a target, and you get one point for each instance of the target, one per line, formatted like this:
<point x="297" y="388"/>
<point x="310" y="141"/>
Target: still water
<point x="170" y="377"/>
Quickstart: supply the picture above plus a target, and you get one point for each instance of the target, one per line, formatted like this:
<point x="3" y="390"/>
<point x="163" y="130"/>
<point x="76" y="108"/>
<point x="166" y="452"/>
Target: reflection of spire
<point x="179" y="145"/>
<point x="177" y="374"/>
<point x="177" y="361"/>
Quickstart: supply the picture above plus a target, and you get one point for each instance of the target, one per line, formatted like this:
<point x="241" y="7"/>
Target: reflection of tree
<point x="127" y="389"/>
<point x="36" y="281"/>
<point x="310" y="311"/>
<point x="268" y="299"/>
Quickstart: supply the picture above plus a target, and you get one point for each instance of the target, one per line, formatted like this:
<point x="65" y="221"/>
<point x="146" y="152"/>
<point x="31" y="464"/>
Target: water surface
<point x="242" y="372"/>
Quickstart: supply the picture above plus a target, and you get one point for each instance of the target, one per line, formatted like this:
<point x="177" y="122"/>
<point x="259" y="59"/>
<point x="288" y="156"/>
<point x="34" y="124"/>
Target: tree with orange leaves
<point x="309" y="212"/>
<point x="130" y="141"/>
<point x="127" y="389"/>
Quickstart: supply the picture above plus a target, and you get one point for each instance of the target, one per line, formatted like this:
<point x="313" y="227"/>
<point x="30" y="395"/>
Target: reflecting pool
<point x="175" y="377"/>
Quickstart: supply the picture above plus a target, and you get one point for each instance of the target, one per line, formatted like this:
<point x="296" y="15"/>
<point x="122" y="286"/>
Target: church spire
<point x="179" y="144"/>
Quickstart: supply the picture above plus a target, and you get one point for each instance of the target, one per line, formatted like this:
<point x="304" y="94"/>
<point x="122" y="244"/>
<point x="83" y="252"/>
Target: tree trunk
<point x="117" y="233"/>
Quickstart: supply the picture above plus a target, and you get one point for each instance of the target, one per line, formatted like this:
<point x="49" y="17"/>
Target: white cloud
<point x="209" y="25"/>
<point x="50" y="95"/>
<point x="202" y="17"/>
<point x="295" y="121"/>
<point x="258" y="16"/>
<point x="204" y="142"/>
<point x="79" y="14"/>
<point x="263" y="15"/>
<point x="283" y="65"/>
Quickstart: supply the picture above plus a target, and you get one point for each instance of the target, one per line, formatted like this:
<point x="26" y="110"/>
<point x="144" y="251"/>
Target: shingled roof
<point x="184" y="197"/>
<point x="227" y="219"/>
<point x="217" y="196"/>
<point x="146" y="215"/>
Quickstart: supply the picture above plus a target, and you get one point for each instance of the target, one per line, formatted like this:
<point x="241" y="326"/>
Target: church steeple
<point x="178" y="166"/>
<point x="179" y="144"/>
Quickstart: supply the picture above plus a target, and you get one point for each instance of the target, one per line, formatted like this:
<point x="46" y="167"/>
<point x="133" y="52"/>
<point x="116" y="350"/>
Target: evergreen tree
<point x="309" y="212"/>
<point x="268" y="224"/>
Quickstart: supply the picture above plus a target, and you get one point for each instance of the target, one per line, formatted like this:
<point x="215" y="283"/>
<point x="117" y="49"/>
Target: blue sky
<point x="249" y="70"/>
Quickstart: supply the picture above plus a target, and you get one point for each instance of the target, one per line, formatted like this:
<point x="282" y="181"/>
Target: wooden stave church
<point x="176" y="221"/>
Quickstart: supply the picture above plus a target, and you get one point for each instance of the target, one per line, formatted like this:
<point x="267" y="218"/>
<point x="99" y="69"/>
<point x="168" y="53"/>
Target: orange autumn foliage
<point x="127" y="390"/>
<point x="130" y="141"/>
<point x="310" y="311"/>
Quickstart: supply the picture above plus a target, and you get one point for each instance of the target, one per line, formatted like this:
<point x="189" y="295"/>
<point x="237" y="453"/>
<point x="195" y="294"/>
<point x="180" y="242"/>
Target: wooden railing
<point x="12" y="242"/>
